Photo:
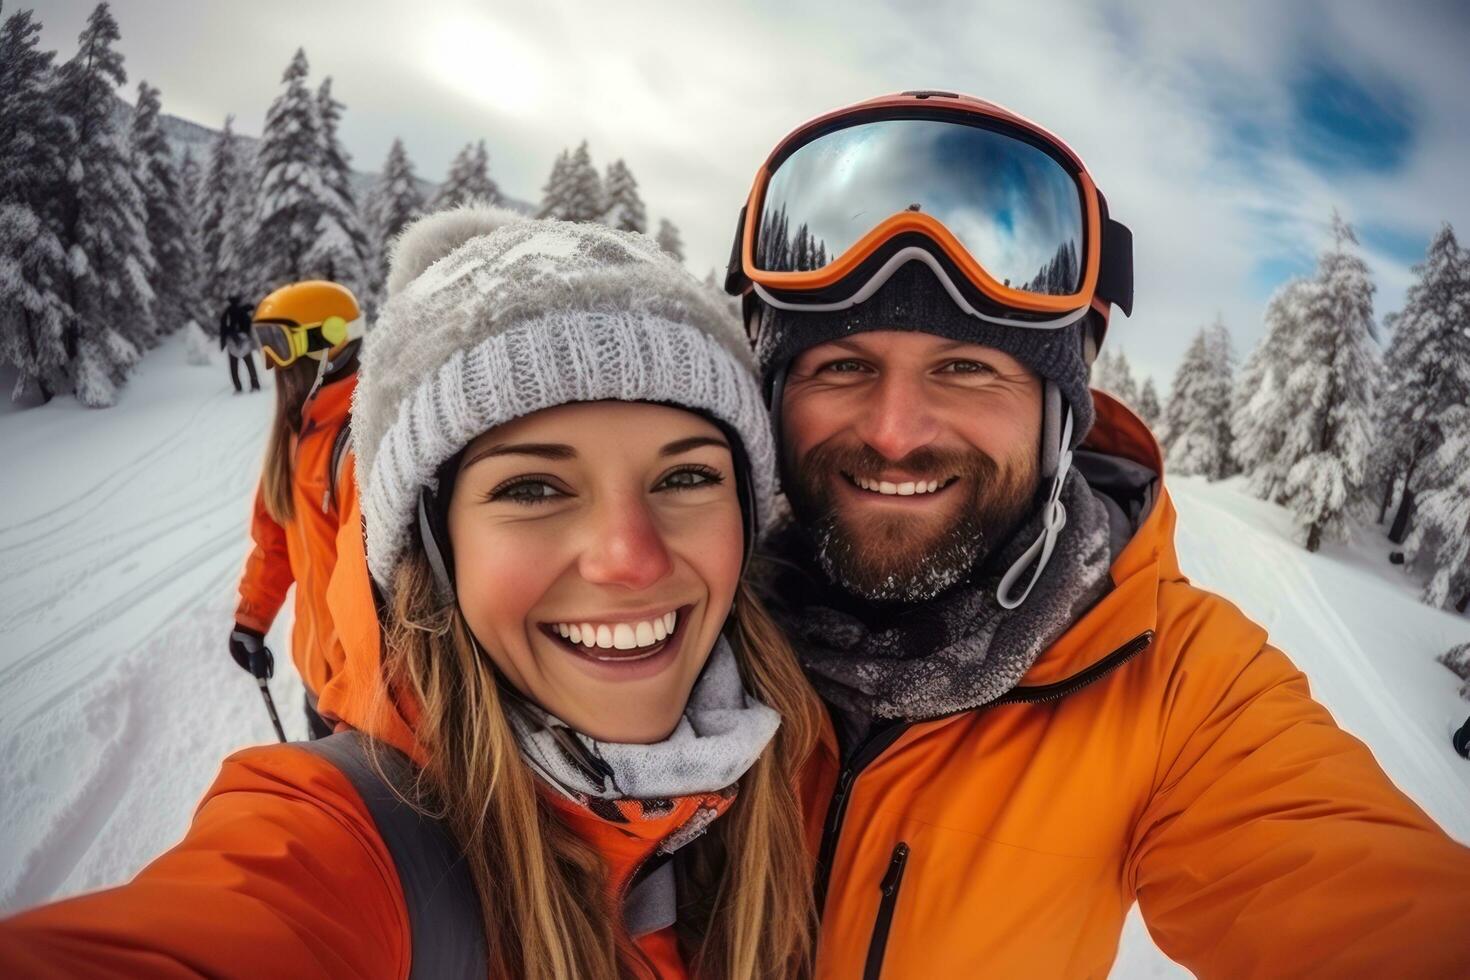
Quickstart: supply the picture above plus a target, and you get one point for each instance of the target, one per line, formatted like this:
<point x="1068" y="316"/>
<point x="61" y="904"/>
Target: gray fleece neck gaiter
<point x="960" y="650"/>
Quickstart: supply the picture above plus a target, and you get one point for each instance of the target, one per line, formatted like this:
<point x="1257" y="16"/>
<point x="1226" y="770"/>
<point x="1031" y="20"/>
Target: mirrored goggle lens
<point x="274" y="340"/>
<point x="1012" y="206"/>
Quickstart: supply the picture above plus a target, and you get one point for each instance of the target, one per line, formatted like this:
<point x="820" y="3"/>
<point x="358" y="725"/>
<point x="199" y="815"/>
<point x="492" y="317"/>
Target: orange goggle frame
<point x="1107" y="244"/>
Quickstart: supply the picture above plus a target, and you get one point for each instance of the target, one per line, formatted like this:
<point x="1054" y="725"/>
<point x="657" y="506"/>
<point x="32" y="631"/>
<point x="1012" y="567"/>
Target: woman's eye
<point x="525" y="492"/>
<point x="688" y="479"/>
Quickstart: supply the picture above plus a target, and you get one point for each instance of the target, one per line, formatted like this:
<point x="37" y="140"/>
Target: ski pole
<point x="270" y="705"/>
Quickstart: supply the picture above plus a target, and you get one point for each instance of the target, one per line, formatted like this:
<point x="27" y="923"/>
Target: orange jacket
<point x="1161" y="750"/>
<point x="283" y="872"/>
<point x="305" y="550"/>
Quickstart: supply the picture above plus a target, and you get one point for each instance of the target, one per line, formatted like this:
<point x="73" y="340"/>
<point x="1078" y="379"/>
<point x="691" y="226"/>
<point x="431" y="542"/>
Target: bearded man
<point x="1036" y="719"/>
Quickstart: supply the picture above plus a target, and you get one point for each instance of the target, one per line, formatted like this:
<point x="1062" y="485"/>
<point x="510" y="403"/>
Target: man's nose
<point x="897" y="419"/>
<point x="625" y="546"/>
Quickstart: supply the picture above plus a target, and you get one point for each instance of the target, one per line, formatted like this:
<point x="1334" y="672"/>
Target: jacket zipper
<point x="888" y="887"/>
<point x="873" y="747"/>
<point x="876" y="744"/>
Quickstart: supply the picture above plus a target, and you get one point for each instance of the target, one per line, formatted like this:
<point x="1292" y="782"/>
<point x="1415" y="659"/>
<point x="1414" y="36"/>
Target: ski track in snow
<point x="118" y="699"/>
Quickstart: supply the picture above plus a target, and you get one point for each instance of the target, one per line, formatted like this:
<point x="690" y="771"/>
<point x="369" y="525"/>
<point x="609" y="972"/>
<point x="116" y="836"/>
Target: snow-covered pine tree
<point x="1440" y="542"/>
<point x="1327" y="398"/>
<point x="1112" y="373"/>
<point x="226" y="223"/>
<point x="102" y="222"/>
<point x="468" y="180"/>
<point x="1426" y="372"/>
<point x="191" y="286"/>
<point x="33" y="311"/>
<point x="1257" y="415"/>
<point x="625" y="209"/>
<point x="554" y="193"/>
<point x="1196" y="427"/>
<point x="395" y="202"/>
<point x="1457" y="659"/>
<point x="339" y="251"/>
<point x="1127" y="387"/>
<point x="290" y="196"/>
<point x="1148" y="404"/>
<point x="669" y="239"/>
<point x="584" y="197"/>
<point x="158" y="179"/>
<point x="481" y="187"/>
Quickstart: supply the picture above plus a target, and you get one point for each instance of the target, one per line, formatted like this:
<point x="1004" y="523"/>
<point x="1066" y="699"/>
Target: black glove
<point x="248" y="648"/>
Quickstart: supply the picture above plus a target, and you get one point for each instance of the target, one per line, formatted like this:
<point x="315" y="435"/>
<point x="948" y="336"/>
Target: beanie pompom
<point x="434" y="236"/>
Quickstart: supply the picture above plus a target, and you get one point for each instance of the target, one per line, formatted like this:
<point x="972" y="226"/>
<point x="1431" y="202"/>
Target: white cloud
<point x="694" y="94"/>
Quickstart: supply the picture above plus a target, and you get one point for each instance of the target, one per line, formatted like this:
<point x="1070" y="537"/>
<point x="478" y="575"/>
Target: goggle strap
<point x="735" y="270"/>
<point x="442" y="582"/>
<point x="1115" y="271"/>
<point x="887" y="269"/>
<point x="1053" y="519"/>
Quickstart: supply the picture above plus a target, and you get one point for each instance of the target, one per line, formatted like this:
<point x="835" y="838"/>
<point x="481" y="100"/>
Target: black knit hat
<point x="913" y="299"/>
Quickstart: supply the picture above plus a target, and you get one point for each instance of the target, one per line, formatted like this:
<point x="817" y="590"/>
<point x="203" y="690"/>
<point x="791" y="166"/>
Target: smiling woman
<point x="597" y="548"/>
<point x="577" y="723"/>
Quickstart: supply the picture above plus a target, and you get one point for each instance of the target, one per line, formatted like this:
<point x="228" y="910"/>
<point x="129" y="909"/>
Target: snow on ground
<point x="122" y="533"/>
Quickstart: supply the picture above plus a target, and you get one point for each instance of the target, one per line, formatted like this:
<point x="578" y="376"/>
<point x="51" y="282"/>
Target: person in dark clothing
<point x="236" y="339"/>
<point x="1461" y="739"/>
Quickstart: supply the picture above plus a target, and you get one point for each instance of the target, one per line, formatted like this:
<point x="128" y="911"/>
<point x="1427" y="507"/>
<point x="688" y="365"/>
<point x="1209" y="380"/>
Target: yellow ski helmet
<point x="305" y="318"/>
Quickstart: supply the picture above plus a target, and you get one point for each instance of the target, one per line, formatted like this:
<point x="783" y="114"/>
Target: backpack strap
<point x="341" y="446"/>
<point x="447" y="932"/>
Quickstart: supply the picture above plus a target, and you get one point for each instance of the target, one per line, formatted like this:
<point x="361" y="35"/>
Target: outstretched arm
<point x="1273" y="844"/>
<point x="282" y="874"/>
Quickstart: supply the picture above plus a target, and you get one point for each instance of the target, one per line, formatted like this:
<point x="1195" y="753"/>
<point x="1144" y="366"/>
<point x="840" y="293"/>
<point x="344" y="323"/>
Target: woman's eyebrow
<point x="544" y="450"/>
<point x="693" y="442"/>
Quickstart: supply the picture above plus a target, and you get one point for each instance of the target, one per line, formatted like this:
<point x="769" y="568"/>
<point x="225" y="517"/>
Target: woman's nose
<point x="625" y="546"/>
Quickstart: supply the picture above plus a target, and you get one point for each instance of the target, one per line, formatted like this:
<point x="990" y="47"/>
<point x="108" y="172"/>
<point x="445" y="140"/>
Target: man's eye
<point x="844" y="367"/>
<point x="690" y="478"/>
<point x="968" y="367"/>
<point x="525" y="491"/>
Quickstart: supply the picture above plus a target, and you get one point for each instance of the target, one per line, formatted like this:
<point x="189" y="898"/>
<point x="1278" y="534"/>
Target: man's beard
<point x="897" y="557"/>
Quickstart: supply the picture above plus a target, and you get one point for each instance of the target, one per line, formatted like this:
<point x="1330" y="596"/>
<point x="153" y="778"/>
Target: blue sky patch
<point x="1401" y="244"/>
<point x="1346" y="124"/>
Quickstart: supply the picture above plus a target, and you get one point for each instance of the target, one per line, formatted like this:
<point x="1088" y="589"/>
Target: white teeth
<point x="908" y="488"/>
<point x="619" y="636"/>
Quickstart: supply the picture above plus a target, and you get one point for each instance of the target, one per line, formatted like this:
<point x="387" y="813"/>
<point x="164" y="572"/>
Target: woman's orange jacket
<point x="305" y="550"/>
<point x="283" y="872"/>
<point x="1162" y="751"/>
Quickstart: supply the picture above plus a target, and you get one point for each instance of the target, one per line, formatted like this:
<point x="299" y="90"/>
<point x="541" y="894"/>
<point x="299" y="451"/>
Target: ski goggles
<point x="284" y="343"/>
<point x="1005" y="215"/>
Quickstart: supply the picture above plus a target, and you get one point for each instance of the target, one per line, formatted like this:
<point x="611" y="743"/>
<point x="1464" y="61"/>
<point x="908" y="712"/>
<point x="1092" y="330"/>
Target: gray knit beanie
<point x="913" y="299"/>
<point x="494" y="316"/>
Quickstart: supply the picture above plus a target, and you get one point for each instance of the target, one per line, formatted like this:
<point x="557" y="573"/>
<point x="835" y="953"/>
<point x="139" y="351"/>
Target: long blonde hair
<point x="745" y="887"/>
<point x="293" y="384"/>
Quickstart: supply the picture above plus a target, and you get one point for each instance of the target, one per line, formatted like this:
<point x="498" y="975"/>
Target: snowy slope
<point x="122" y="532"/>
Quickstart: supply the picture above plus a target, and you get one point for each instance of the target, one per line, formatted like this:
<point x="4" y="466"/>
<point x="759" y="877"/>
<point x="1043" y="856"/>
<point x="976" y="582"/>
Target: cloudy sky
<point x="1223" y="133"/>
